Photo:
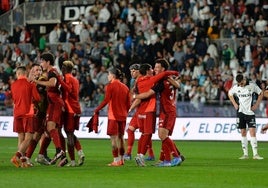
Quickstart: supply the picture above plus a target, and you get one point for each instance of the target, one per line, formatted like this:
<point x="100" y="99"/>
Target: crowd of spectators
<point x="185" y="32"/>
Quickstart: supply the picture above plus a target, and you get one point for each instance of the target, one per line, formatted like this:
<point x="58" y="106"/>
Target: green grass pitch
<point x="207" y="164"/>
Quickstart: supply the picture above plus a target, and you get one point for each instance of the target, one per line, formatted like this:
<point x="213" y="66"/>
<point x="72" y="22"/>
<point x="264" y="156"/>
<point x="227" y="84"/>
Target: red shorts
<point x="39" y="124"/>
<point x="54" y="113"/>
<point x="134" y="121"/>
<point x="116" y="127"/>
<point x="23" y="125"/>
<point x="70" y="122"/>
<point x="167" y="121"/>
<point x="146" y="122"/>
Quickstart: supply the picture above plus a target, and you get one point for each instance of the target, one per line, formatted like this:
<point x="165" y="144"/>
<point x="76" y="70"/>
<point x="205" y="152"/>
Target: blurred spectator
<point x="16" y="54"/>
<point x="179" y="55"/>
<point x="214" y="93"/>
<point x="201" y="47"/>
<point x="186" y="87"/>
<point x="227" y="16"/>
<point x="25" y="36"/>
<point x="96" y="53"/>
<point x="101" y="77"/>
<point x="53" y="36"/>
<point x="198" y="69"/>
<point x="227" y="55"/>
<point x="72" y="37"/>
<point x="103" y="16"/>
<point x="122" y="28"/>
<point x="87" y="90"/>
<point x="16" y="35"/>
<point x="204" y="13"/>
<point x="226" y="31"/>
<point x="260" y="25"/>
<point x="240" y="52"/>
<point x="228" y="83"/>
<point x="99" y="96"/>
<point x="91" y="18"/>
<point x="63" y="33"/>
<point x="209" y="62"/>
<point x="240" y="31"/>
<point x="258" y="56"/>
<point x="212" y="50"/>
<point x="8" y="53"/>
<point x="264" y="71"/>
<point x="84" y="34"/>
<point x="214" y="30"/>
<point x="247" y="61"/>
<point x="250" y="32"/>
<point x="180" y="33"/>
<point x="42" y="42"/>
<point x="4" y="76"/>
<point x="128" y="44"/>
<point x="142" y="50"/>
<point x="4" y="37"/>
<point x="103" y="34"/>
<point x="186" y="71"/>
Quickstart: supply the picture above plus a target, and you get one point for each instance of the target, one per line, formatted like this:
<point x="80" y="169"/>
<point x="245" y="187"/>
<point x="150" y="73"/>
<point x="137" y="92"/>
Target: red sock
<point x="172" y="147"/>
<point x="166" y="149"/>
<point x="18" y="154"/>
<point x="44" y="145"/>
<point x="31" y="148"/>
<point x="122" y="151"/>
<point x="130" y="141"/>
<point x="115" y="152"/>
<point x="71" y="152"/>
<point x="162" y="155"/>
<point x="176" y="152"/>
<point x="145" y="142"/>
<point x="150" y="149"/>
<point x="77" y="144"/>
<point x="121" y="147"/>
<point x="54" y="134"/>
<point x="140" y="143"/>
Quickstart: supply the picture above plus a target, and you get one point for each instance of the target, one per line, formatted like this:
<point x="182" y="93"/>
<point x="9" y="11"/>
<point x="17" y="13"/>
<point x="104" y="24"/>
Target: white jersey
<point x="244" y="95"/>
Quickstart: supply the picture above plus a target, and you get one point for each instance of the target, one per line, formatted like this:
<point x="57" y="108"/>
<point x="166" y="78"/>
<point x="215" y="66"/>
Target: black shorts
<point x="244" y="120"/>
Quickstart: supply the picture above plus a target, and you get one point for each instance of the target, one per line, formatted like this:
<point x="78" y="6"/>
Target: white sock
<point x="80" y="152"/>
<point x="254" y="145"/>
<point x="40" y="155"/>
<point x="116" y="159"/>
<point x="244" y="143"/>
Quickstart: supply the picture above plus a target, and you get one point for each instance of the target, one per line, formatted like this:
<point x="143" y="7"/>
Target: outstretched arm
<point x="161" y="75"/>
<point x="144" y="95"/>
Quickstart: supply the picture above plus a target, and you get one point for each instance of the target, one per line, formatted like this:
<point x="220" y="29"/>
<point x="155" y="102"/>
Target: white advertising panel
<point x="223" y="129"/>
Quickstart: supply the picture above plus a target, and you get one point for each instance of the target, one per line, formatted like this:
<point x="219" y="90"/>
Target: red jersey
<point x="24" y="94"/>
<point x="118" y="100"/>
<point x="144" y="84"/>
<point x="71" y="93"/>
<point x="54" y="93"/>
<point x="167" y="96"/>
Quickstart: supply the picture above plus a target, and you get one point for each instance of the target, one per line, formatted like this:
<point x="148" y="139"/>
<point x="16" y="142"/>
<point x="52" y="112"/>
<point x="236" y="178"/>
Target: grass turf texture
<point x="207" y="164"/>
